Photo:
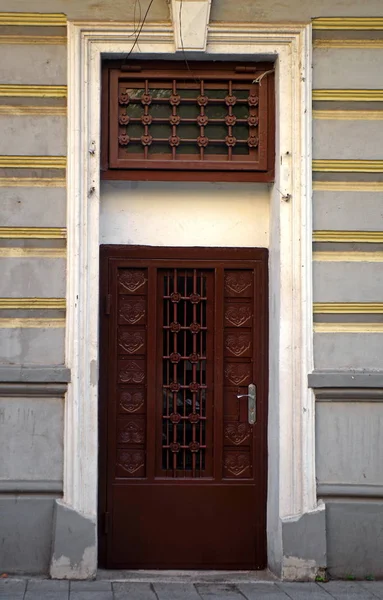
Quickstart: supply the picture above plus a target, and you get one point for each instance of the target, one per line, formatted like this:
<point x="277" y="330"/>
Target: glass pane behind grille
<point x="185" y="389"/>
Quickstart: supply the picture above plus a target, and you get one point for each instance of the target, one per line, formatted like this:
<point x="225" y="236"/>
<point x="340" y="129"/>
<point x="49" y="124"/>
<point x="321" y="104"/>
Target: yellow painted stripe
<point x="33" y="19"/>
<point x="39" y="111"/>
<point x="347" y="166"/>
<point x="349" y="115"/>
<point x="349" y="44"/>
<point x="32" y="303"/>
<point x="32" y="233"/>
<point x="348" y="95"/>
<point x="33" y="40"/>
<point x="348" y="186"/>
<point x="348" y="327"/>
<point x="349" y="23"/>
<point x="32" y="252"/>
<point x="369" y="237"/>
<point x="348" y="256"/>
<point x="26" y="323"/>
<point x="33" y="91"/>
<point x="33" y="162"/>
<point x="345" y="308"/>
<point x="32" y="182"/>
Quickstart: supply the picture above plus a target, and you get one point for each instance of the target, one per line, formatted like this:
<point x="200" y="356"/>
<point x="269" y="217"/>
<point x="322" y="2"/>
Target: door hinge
<point x="106" y="523"/>
<point x="108" y="303"/>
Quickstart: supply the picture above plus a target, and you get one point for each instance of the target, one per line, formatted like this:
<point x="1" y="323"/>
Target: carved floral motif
<point x="131" y="401"/>
<point x="132" y="311"/>
<point x="238" y="314"/>
<point x="237" y="433"/>
<point x="131" y="460"/>
<point x="238" y="281"/>
<point x="236" y="463"/>
<point x="132" y="280"/>
<point x="237" y="373"/>
<point x="131" y="342"/>
<point x="132" y="432"/>
<point x="132" y="372"/>
<point x="237" y="344"/>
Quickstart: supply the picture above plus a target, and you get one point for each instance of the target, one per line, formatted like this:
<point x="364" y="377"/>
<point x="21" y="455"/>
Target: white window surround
<point x="291" y="488"/>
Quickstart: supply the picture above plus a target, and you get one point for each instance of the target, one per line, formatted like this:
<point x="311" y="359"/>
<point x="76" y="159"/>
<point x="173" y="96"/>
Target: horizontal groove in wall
<point x="34" y="19"/>
<point x="32" y="303"/>
<point x="32" y="252"/>
<point x="347" y="115"/>
<point x="33" y="162"/>
<point x="32" y="233"/>
<point x="33" y="40"/>
<point x="349" y="23"/>
<point x="35" y="487"/>
<point x="367" y="237"/>
<point x="325" y="165"/>
<point x="338" y="383"/>
<point x="347" y="186"/>
<point x="38" y="380"/>
<point x="33" y="91"/>
<point x="348" y="95"/>
<point x="348" y="44"/>
<point x="347" y="489"/>
<point x="348" y="256"/>
<point x="38" y="111"/>
<point x="348" y="327"/>
<point x="26" y="323"/>
<point x="344" y="307"/>
<point x="349" y="394"/>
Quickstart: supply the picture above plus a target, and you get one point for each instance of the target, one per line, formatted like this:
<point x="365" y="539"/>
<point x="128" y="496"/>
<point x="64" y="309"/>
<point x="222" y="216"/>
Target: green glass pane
<point x="241" y="94"/>
<point x="188" y="149"/>
<point x="188" y="93"/>
<point x="134" y="148"/>
<point x="160" y="131"/>
<point x="160" y="110"/>
<point x="216" y="132"/>
<point x="188" y="131"/>
<point x="241" y="149"/>
<point x="216" y="111"/>
<point x="217" y="93"/>
<point x="188" y="111"/>
<point x="134" y="92"/>
<point x="135" y="130"/>
<point x="241" y="111"/>
<point x="134" y="111"/>
<point x="159" y="148"/>
<point x="160" y="93"/>
<point x="241" y="132"/>
<point x="220" y="149"/>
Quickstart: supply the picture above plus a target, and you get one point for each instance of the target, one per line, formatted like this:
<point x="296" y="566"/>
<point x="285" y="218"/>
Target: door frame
<point x="291" y="440"/>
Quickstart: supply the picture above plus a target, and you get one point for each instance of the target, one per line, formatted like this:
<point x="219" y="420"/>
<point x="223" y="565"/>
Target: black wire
<point x="139" y="31"/>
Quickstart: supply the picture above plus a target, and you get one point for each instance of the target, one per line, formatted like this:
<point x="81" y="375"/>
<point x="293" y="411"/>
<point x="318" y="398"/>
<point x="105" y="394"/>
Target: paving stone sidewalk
<point x="34" y="589"/>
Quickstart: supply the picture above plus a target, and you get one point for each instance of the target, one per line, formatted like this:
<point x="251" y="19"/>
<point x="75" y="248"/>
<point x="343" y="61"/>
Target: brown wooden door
<point x="183" y="473"/>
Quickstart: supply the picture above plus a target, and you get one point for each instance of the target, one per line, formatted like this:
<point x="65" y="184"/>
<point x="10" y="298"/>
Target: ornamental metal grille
<point x="205" y="119"/>
<point x="185" y="386"/>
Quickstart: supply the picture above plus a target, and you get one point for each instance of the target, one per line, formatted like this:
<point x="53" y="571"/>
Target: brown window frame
<point x="257" y="165"/>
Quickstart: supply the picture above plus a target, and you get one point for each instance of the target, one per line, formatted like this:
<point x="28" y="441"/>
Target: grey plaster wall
<point x="26" y="533"/>
<point x="347" y="281"/>
<point x="349" y="210"/>
<point x="348" y="351"/>
<point x="37" y="65"/>
<point x="347" y="139"/>
<point x="25" y="277"/>
<point x="349" y="443"/>
<point x="31" y="439"/>
<point x="33" y="135"/>
<point x="347" y="68"/>
<point x="26" y="206"/>
<point x="354" y="538"/>
<point x="32" y="346"/>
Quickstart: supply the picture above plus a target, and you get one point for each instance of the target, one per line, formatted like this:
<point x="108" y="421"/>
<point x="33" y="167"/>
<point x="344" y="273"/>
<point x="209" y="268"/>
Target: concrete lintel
<point x="190" y="23"/>
<point x="345" y="379"/>
<point x="349" y="394"/>
<point x="32" y="389"/>
<point x="74" y="546"/>
<point x="304" y="545"/>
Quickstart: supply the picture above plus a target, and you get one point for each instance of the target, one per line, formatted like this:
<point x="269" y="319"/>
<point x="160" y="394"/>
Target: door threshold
<point x="178" y="576"/>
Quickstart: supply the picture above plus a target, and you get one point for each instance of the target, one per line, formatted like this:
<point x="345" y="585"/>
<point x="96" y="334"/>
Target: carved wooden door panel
<point x="182" y="462"/>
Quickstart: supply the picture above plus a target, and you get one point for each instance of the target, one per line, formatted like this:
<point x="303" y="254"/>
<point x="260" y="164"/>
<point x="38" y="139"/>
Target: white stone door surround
<point x="291" y="483"/>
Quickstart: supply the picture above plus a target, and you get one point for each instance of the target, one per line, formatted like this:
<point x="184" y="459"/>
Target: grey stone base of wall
<point x="354" y="538"/>
<point x="26" y="533"/>
<point x="74" y="547"/>
<point x="304" y="546"/>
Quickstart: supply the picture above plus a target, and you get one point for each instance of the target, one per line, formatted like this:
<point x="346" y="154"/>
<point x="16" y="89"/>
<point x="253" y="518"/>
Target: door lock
<point x="251" y="403"/>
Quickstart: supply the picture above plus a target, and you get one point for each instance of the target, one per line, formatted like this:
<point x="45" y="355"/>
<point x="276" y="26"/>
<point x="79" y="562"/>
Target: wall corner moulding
<point x="190" y="20"/>
<point x="292" y="457"/>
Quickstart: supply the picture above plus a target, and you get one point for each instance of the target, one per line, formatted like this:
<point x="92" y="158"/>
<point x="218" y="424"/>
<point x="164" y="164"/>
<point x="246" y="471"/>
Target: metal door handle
<point x="251" y="403"/>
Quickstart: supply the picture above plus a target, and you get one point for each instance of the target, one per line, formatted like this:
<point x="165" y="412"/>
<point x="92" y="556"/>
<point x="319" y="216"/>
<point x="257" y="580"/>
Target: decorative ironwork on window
<point x="208" y="118"/>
